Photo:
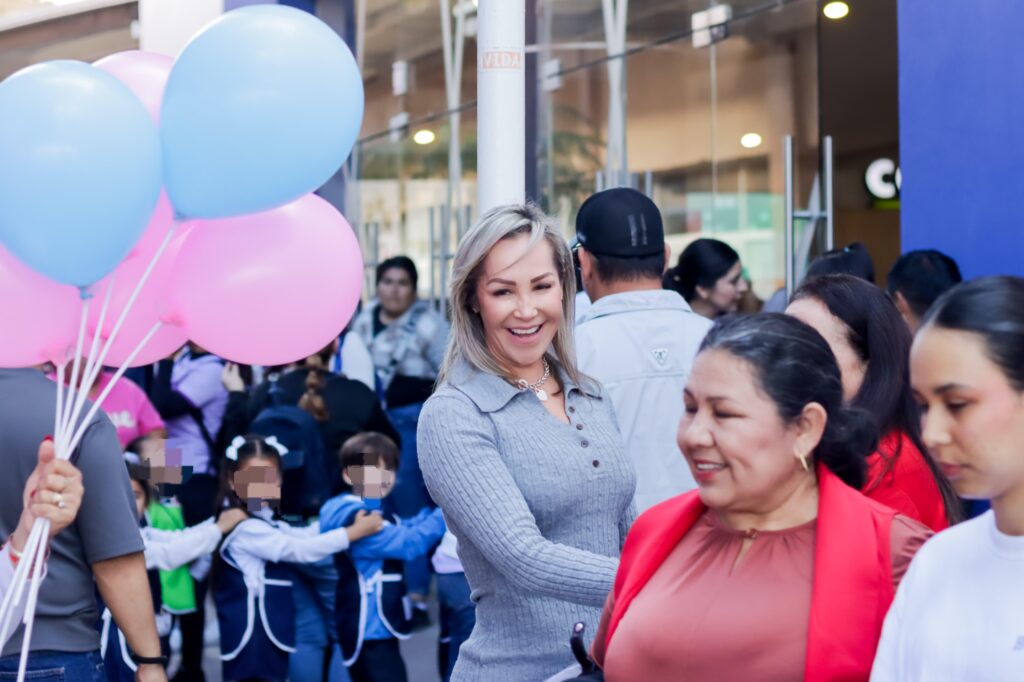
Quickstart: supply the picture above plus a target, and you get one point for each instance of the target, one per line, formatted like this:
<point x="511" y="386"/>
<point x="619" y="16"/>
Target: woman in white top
<point x="959" y="612"/>
<point x="54" y="492"/>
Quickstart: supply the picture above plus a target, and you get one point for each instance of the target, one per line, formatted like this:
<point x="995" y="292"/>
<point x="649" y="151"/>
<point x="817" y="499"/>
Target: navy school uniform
<point x="371" y="602"/>
<point x="257" y="625"/>
<point x="253" y="592"/>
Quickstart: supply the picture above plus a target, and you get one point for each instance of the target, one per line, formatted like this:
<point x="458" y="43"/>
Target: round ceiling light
<point x="836" y="9"/>
<point x="751" y="141"/>
<point x="424" y="136"/>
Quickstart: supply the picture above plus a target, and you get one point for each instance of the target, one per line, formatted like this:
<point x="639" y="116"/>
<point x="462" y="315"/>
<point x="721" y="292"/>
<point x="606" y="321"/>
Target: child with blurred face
<point x="371" y="594"/>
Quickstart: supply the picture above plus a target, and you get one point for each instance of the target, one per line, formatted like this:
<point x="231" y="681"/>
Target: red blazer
<point x="909" y="486"/>
<point x="853" y="583"/>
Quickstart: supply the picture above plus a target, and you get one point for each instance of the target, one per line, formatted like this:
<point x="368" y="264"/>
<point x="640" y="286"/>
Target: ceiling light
<point x="836" y="9"/>
<point x="424" y="136"/>
<point x="751" y="141"/>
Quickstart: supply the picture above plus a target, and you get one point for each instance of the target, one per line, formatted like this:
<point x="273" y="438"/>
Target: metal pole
<point x="649" y="184"/>
<point x="501" y="103"/>
<point x="446" y="223"/>
<point x="787" y="198"/>
<point x="433" y="256"/>
<point x="599" y="181"/>
<point x="453" y="90"/>
<point x="829" y="161"/>
<point x="376" y="243"/>
<point x="614" y="18"/>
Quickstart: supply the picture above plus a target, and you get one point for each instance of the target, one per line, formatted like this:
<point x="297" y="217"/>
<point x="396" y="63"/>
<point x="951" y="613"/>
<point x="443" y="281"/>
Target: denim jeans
<point x="56" y="666"/>
<point x="458" y="615"/>
<point x="313" y="587"/>
<point x="410" y="494"/>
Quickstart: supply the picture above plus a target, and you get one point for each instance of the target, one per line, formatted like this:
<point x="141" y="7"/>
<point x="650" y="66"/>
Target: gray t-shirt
<point x="106" y="526"/>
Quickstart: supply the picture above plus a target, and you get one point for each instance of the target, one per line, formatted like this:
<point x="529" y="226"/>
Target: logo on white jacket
<point x="660" y="354"/>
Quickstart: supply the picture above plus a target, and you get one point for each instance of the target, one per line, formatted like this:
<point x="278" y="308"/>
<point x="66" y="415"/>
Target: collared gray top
<point x="540" y="509"/>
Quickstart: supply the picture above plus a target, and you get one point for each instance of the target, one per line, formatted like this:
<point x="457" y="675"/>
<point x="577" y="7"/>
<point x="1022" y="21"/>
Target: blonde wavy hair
<point x="468" y="341"/>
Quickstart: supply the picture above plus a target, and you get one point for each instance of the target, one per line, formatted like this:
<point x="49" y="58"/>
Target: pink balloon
<point x="149" y="306"/>
<point x="145" y="74"/>
<point x="160" y="223"/>
<point x="269" y="288"/>
<point x="40" y="317"/>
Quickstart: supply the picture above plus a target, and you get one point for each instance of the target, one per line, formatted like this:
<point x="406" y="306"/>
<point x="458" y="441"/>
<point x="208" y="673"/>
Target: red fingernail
<point x="48" y="438"/>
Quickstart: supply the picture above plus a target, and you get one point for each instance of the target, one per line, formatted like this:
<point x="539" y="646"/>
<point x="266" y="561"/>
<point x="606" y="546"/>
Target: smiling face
<point x="816" y="314"/>
<point x="972" y="417"/>
<point x="519" y="298"/>
<point x="740" y="451"/>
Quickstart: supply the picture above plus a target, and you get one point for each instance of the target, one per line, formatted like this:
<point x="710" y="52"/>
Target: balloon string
<point x="38" y="559"/>
<point x="88" y="375"/>
<point x="96" y="363"/>
<point x="58" y="417"/>
<point x="110" y="385"/>
<point x="73" y="383"/>
<point x="17" y="587"/>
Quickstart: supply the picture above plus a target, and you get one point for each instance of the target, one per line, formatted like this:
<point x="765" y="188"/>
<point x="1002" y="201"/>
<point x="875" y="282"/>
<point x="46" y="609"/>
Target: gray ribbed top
<point x="540" y="509"/>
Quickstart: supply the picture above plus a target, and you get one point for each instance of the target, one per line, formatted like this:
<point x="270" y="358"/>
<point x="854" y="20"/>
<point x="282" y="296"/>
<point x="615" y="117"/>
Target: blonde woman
<point x="523" y="453"/>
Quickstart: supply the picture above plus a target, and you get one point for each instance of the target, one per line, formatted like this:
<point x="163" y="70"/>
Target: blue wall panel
<point x="961" y="72"/>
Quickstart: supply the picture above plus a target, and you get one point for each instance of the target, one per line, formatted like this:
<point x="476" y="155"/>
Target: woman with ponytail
<point x="342" y="406"/>
<point x="776" y="568"/>
<point x="872" y="346"/>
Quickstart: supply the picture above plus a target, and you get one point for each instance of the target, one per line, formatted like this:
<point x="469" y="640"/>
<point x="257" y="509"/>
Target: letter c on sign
<point x="883" y="179"/>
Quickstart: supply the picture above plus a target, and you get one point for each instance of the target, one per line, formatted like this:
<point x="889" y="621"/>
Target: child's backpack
<point x="306" y="485"/>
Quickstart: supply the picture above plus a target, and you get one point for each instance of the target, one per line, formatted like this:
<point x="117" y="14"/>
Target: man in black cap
<point x="638" y="339"/>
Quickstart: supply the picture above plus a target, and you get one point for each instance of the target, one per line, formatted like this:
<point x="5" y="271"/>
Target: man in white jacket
<point x="637" y="339"/>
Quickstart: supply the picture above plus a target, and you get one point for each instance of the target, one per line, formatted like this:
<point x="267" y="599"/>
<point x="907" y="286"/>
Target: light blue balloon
<point x="261" y="107"/>
<point x="79" y="170"/>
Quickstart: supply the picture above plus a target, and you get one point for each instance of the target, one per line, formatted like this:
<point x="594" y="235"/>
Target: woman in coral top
<point x="872" y="346"/>
<point x="776" y="568"/>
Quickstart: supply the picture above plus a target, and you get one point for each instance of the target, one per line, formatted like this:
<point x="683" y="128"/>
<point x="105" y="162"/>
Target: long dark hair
<point x="993" y="308"/>
<point x="879" y="336"/>
<point x="795" y="366"/>
<point x="701" y="264"/>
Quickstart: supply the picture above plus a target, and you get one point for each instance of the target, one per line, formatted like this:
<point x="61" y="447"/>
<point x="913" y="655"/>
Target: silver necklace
<point x="525" y="385"/>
